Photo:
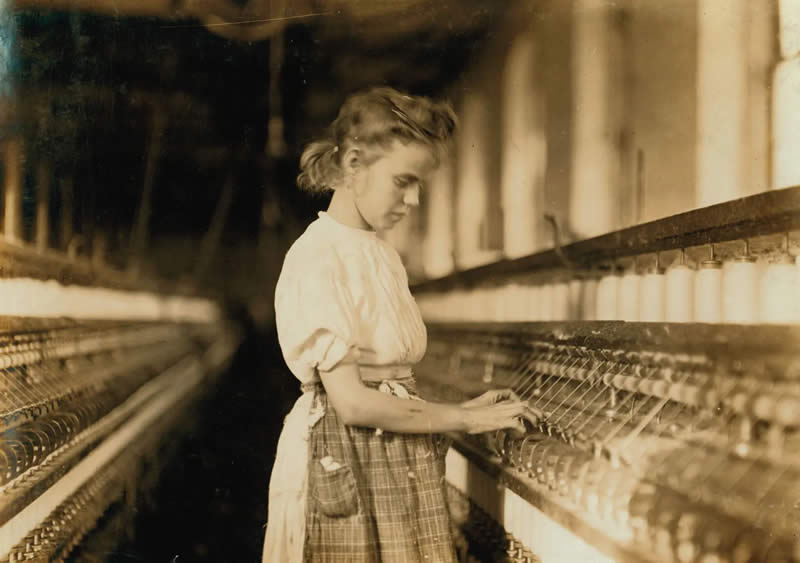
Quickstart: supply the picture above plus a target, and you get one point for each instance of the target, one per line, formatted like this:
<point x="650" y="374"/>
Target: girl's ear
<point x="352" y="160"/>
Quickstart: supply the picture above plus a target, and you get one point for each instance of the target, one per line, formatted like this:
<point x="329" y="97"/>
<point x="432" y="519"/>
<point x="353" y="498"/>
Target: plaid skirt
<point x="375" y="496"/>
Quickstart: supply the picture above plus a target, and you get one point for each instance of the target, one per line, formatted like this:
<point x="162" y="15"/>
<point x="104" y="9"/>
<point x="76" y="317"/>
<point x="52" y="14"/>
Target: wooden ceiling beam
<point x="167" y="9"/>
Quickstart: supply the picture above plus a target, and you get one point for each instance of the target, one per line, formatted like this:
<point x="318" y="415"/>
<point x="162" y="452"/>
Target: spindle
<point x="607" y="296"/>
<point x="679" y="292"/>
<point x="652" y="298"/>
<point x="777" y="290"/>
<point x="629" y="294"/>
<point x="740" y="295"/>
<point x="708" y="290"/>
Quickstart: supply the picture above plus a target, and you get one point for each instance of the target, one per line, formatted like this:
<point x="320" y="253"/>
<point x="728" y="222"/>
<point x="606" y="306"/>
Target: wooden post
<point x="99" y="244"/>
<point x="66" y="193"/>
<point x="762" y="18"/>
<point x="43" y="177"/>
<point x="472" y="184"/>
<point x="415" y="258"/>
<point x="524" y="151"/>
<point x="276" y="145"/>
<point x="786" y="100"/>
<point x="140" y="236"/>
<point x="210" y="243"/>
<point x="597" y="120"/>
<point x="721" y="100"/>
<point x="438" y="244"/>
<point x="14" y="162"/>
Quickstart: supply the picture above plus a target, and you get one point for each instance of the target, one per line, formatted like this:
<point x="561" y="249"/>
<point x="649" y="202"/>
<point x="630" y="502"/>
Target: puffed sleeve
<point x="315" y="316"/>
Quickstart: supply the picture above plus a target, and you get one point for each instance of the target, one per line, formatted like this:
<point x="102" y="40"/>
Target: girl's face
<point x="385" y="189"/>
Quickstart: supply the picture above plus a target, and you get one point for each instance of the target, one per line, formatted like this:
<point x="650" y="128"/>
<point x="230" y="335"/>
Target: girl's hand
<point x="491" y="397"/>
<point x="503" y="414"/>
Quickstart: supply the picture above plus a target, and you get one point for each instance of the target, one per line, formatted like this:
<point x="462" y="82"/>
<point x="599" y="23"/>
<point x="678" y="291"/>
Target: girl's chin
<point x="389" y="222"/>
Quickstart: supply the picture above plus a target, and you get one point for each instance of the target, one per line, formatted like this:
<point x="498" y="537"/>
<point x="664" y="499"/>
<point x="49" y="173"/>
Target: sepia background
<point x="149" y="155"/>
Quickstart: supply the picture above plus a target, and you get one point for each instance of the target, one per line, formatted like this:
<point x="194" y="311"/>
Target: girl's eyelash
<point x="402" y="182"/>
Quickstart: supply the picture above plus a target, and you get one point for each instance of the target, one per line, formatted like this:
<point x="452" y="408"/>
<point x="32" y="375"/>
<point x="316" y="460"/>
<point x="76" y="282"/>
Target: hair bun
<point x="375" y="117"/>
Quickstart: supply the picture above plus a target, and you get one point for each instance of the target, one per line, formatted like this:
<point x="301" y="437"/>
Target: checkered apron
<point x="385" y="498"/>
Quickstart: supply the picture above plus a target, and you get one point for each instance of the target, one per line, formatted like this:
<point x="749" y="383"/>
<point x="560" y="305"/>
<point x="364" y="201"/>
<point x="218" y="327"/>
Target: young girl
<point x="359" y="471"/>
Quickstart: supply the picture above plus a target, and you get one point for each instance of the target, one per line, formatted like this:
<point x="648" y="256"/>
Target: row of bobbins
<point x="31" y="298"/>
<point x="737" y="291"/>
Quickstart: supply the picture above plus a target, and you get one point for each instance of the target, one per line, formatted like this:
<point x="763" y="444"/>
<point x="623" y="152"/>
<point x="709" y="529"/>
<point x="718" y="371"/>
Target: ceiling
<point x="98" y="84"/>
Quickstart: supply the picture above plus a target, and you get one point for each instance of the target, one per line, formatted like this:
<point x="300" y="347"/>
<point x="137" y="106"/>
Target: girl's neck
<point x="343" y="209"/>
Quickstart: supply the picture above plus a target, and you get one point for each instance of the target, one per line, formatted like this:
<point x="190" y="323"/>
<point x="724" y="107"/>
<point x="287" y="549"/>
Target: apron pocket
<point x="335" y="492"/>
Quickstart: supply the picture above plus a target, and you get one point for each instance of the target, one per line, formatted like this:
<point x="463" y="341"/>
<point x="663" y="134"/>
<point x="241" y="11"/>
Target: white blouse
<point x="342" y="295"/>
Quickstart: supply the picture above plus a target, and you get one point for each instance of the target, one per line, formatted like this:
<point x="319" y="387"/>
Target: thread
<point x="508" y="302"/>
<point x="589" y="299"/>
<point x="796" y="292"/>
<point x="740" y="295"/>
<point x="778" y="293"/>
<point x="575" y="305"/>
<point x="472" y="309"/>
<point x="607" y="289"/>
<point x="679" y="294"/>
<point x="559" y="302"/>
<point x="520" y="296"/>
<point x="546" y="302"/>
<point x="484" y="304"/>
<point x="495" y="304"/>
<point x="456" y="304"/>
<point x="629" y="296"/>
<point x="530" y="303"/>
<point x="708" y="292"/>
<point x="432" y="306"/>
<point x="651" y="299"/>
<point x="429" y="306"/>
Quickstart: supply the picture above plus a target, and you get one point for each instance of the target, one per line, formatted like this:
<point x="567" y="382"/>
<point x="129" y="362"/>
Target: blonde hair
<point x="375" y="117"/>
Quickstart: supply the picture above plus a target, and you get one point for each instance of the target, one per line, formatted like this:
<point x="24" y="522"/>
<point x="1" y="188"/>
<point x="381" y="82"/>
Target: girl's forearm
<point x="380" y="410"/>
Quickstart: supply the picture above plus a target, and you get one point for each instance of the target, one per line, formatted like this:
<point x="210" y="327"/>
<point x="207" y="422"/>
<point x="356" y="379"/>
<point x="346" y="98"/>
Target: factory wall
<point x="604" y="115"/>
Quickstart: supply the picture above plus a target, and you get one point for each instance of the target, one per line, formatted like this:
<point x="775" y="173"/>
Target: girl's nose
<point x="411" y="196"/>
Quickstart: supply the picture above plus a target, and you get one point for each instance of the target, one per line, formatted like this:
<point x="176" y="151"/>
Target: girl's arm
<point x="358" y="405"/>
